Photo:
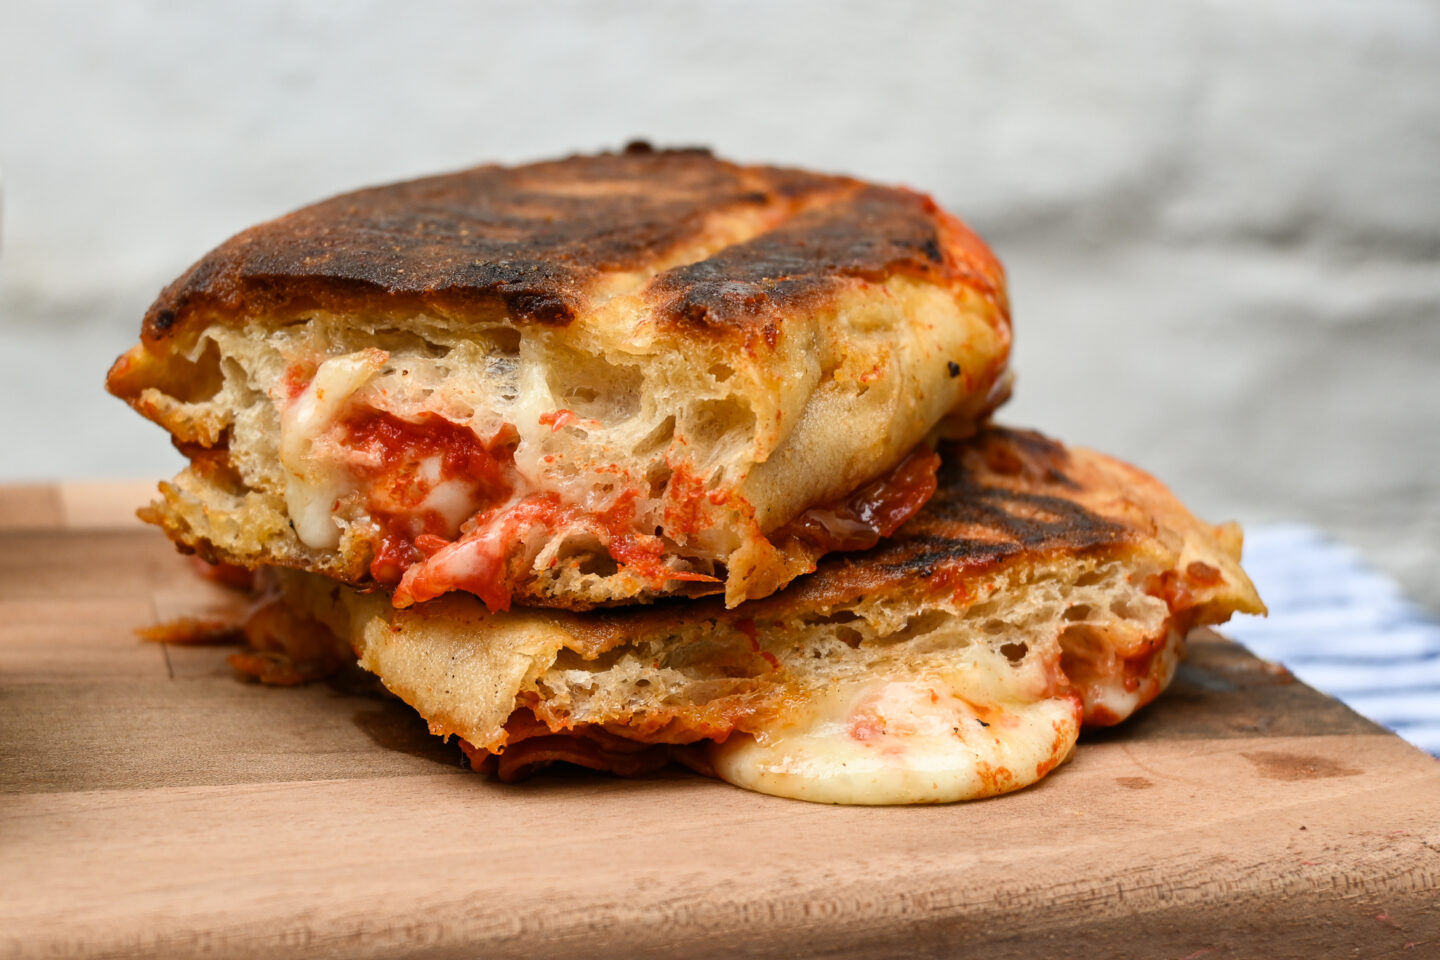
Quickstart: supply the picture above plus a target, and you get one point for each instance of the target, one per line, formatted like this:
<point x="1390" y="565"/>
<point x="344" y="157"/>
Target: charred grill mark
<point x="1008" y="515"/>
<point x="975" y="519"/>
<point x="869" y="235"/>
<point x="526" y="239"/>
<point x="527" y="244"/>
<point x="933" y="551"/>
<point x="1072" y="526"/>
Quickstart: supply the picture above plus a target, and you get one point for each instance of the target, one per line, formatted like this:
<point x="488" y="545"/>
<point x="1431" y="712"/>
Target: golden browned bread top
<point x="712" y="245"/>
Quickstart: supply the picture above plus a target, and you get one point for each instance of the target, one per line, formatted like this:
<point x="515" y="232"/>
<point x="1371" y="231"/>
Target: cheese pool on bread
<point x="1041" y="588"/>
<point x="592" y="381"/>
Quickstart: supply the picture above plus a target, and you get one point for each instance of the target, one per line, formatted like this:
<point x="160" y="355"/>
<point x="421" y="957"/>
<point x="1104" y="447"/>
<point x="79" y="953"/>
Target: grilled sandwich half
<point x="593" y="381"/>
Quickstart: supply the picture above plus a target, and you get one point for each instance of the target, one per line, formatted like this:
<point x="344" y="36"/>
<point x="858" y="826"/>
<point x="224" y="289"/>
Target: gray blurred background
<point x="1221" y="219"/>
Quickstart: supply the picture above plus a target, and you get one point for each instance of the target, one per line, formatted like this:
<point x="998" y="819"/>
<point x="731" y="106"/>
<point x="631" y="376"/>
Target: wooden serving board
<point x="153" y="804"/>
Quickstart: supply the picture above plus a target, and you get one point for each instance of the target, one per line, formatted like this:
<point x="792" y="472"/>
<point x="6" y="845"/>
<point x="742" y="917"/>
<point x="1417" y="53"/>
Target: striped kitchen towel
<point x="1345" y="628"/>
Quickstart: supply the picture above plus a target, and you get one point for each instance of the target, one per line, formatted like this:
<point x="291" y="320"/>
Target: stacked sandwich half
<point x="641" y="458"/>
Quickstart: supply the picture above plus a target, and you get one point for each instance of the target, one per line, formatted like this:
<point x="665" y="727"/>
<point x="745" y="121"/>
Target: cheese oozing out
<point x="322" y="466"/>
<point x="882" y="740"/>
<point x="314" y="483"/>
<point x="1113" y="688"/>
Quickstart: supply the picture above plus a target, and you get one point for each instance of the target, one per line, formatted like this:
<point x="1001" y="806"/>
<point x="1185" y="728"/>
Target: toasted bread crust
<point x="730" y="248"/>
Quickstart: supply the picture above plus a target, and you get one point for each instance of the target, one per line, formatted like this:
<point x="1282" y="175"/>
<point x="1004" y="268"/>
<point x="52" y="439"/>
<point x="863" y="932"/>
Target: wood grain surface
<point x="153" y="804"/>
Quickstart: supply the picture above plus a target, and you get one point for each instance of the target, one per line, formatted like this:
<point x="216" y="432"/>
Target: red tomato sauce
<point x="422" y="551"/>
<point x="477" y="562"/>
<point x="392" y="455"/>
<point x="641" y="553"/>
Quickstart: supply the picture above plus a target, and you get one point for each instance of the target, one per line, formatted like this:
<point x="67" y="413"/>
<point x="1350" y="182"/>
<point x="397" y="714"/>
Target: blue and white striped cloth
<point x="1344" y="628"/>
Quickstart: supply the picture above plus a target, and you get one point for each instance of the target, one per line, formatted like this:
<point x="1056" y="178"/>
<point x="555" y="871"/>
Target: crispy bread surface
<point x="672" y="355"/>
<point x="1039" y="589"/>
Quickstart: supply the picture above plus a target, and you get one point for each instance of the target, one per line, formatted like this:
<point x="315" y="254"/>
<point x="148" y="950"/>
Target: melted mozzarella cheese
<point x="1109" y="699"/>
<point x="534" y="399"/>
<point x="454" y="500"/>
<point x="892" y="741"/>
<point x="313" y="484"/>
